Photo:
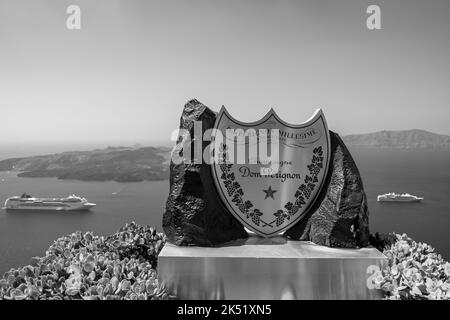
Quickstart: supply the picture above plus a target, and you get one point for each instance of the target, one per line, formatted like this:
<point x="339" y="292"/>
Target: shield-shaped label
<point x="268" y="204"/>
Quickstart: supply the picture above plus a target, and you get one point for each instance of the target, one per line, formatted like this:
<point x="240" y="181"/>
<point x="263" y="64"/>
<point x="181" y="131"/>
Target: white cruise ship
<point x="27" y="202"/>
<point x="395" y="197"/>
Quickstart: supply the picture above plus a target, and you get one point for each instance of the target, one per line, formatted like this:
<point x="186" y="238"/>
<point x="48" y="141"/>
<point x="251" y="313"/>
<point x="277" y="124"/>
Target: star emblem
<point x="269" y="193"/>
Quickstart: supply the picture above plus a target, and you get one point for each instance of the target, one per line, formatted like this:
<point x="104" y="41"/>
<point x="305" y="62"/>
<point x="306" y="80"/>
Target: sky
<point x="125" y="76"/>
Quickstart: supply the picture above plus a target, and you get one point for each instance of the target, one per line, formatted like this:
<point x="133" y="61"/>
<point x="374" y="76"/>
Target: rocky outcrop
<point x="194" y="212"/>
<point x="340" y="217"/>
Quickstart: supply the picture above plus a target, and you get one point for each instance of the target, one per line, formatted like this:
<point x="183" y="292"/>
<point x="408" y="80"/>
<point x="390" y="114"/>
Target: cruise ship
<point x="395" y="197"/>
<point x="27" y="202"/>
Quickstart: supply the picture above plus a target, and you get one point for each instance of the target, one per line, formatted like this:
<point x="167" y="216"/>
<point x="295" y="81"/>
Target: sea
<point x="423" y="173"/>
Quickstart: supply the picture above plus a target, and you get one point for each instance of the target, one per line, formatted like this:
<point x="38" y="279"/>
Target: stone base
<point x="274" y="268"/>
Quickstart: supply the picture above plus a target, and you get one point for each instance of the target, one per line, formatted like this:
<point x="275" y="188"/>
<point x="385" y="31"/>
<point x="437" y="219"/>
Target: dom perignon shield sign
<point x="269" y="204"/>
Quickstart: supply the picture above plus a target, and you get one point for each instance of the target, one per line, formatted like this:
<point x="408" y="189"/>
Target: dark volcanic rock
<point x="194" y="212"/>
<point x="340" y="217"/>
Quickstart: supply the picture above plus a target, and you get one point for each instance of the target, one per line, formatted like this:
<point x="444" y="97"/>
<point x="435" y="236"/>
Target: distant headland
<point x="121" y="164"/>
<point x="138" y="163"/>
<point x="407" y="139"/>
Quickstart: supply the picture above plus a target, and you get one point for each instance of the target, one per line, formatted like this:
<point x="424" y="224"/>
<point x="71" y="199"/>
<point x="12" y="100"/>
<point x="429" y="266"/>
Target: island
<point x="121" y="164"/>
<point x="406" y="139"/>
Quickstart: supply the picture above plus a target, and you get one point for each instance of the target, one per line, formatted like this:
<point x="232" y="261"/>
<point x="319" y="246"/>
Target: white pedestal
<point x="275" y="268"/>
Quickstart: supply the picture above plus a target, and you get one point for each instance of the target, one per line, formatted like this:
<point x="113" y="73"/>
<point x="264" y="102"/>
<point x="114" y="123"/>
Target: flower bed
<point x="85" y="266"/>
<point x="122" y="267"/>
<point x="414" y="270"/>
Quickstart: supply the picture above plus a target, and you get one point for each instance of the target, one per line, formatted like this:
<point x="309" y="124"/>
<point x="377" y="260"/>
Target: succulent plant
<point x="90" y="267"/>
<point x="414" y="271"/>
<point x="123" y="267"/>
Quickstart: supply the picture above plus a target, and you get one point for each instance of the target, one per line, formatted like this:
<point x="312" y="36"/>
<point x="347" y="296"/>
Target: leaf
<point x="257" y="213"/>
<point x="417" y="264"/>
<point x="278" y="213"/>
<point x="423" y="288"/>
<point x="416" y="291"/>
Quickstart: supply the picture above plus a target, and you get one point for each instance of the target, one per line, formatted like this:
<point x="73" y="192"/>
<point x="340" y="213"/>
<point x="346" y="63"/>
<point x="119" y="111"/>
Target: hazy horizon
<point x="30" y="149"/>
<point x="12" y="150"/>
<point x="127" y="73"/>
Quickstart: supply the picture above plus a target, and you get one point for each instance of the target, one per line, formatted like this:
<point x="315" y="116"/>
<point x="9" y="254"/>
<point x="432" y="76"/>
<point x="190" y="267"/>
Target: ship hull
<point x="47" y="209"/>
<point x="71" y="203"/>
<point x="399" y="200"/>
<point x="44" y="211"/>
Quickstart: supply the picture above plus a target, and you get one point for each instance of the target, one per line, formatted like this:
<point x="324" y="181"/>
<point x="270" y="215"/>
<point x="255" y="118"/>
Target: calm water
<point x="27" y="234"/>
<point x="23" y="235"/>
<point x="422" y="173"/>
